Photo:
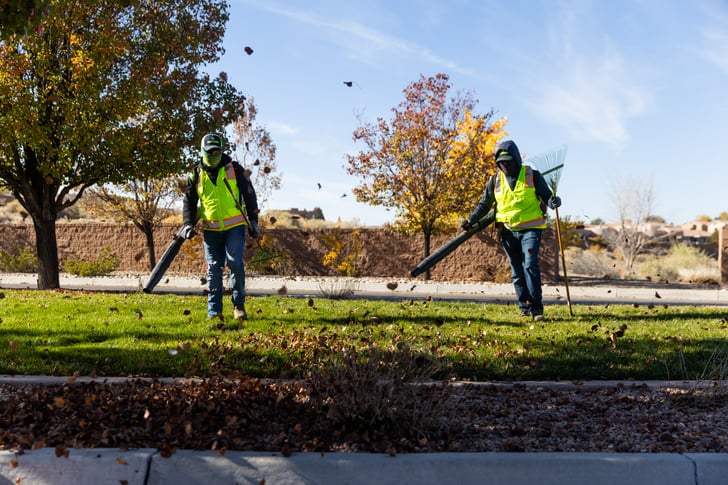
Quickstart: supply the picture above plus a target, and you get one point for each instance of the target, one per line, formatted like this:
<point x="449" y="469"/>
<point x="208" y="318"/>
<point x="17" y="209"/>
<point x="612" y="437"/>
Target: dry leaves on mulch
<point x="249" y="414"/>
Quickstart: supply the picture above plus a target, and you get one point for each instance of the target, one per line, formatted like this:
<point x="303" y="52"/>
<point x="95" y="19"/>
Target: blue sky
<point x="637" y="89"/>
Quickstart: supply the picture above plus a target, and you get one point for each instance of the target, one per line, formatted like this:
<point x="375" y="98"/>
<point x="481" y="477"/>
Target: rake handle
<point x="563" y="260"/>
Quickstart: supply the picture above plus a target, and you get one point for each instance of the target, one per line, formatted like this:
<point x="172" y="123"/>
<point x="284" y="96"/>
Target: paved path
<point x="148" y="466"/>
<point x="604" y="292"/>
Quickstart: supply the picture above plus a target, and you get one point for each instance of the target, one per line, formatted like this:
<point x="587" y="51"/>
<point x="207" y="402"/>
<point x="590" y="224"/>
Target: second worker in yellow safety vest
<point x="520" y="195"/>
<point x="227" y="203"/>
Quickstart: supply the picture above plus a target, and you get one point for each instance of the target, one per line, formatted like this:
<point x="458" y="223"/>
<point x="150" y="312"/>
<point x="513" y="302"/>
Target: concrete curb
<point x="147" y="466"/>
<point x="79" y="466"/>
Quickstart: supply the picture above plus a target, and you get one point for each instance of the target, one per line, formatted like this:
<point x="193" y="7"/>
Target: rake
<point x="551" y="164"/>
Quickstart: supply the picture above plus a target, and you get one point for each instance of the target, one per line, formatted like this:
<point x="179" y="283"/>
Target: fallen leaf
<point x="121" y="460"/>
<point x="166" y="451"/>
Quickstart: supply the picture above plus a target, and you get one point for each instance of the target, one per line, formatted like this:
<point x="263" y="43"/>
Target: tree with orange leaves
<point x="430" y="160"/>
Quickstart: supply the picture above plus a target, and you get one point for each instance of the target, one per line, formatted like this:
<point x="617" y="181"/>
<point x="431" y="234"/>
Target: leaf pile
<point x="250" y="414"/>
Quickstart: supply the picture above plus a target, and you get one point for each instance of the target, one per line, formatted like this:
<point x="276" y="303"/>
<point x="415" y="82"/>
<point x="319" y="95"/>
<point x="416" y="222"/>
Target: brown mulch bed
<point x="250" y="414"/>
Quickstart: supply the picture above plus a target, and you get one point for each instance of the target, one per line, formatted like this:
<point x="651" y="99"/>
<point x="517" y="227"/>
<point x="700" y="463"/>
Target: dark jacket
<point x="543" y="191"/>
<point x="191" y="199"/>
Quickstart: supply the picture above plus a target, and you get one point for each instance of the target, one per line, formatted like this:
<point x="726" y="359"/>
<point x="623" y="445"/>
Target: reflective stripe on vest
<point x="217" y="206"/>
<point x="518" y="208"/>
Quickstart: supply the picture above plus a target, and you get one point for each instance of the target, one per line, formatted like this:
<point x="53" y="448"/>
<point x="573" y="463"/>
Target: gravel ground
<point x="251" y="414"/>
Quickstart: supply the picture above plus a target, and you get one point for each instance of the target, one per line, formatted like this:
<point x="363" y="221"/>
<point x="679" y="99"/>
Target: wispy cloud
<point x="591" y="91"/>
<point x="714" y="33"/>
<point x="282" y="128"/>
<point x="351" y="35"/>
<point x="716" y="49"/>
<point x="593" y="100"/>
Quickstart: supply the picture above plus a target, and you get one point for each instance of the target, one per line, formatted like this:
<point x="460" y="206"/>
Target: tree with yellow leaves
<point x="104" y="92"/>
<point x="431" y="161"/>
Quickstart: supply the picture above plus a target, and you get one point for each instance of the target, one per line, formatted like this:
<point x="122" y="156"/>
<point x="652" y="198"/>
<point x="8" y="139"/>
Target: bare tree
<point x="256" y="152"/>
<point x="634" y="201"/>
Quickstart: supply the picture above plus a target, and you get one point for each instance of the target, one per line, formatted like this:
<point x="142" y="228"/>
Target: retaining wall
<point x="382" y="252"/>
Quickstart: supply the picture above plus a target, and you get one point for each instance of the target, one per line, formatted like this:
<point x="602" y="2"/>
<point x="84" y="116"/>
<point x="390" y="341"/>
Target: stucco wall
<point x="383" y="252"/>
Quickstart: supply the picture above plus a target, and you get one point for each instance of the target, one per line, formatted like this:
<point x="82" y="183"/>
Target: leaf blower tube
<point x="453" y="244"/>
<point x="165" y="261"/>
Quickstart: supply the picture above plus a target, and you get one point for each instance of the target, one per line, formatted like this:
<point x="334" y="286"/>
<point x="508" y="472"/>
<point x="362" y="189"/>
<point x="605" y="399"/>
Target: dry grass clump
<point x="683" y="263"/>
<point x="387" y="390"/>
<point x="596" y="262"/>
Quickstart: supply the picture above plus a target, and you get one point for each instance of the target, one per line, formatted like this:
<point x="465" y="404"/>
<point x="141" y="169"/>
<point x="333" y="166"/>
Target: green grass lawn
<point x="103" y="334"/>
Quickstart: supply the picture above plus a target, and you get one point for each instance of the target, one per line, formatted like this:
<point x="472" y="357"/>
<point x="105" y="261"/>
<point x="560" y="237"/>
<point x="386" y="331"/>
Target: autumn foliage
<point x="431" y="161"/>
<point x="104" y="92"/>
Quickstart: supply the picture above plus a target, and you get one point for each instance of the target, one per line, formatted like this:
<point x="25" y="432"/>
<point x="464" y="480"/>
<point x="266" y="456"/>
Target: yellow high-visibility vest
<point x="519" y="208"/>
<point x="218" y="210"/>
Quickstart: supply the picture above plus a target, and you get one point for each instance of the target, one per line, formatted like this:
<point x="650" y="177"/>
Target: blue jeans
<point x="224" y="247"/>
<point x="522" y="251"/>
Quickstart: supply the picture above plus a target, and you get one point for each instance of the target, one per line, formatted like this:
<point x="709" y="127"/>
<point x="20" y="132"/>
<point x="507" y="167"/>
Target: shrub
<point x="338" y="289"/>
<point x="341" y="256"/>
<point x="370" y="390"/>
<point x="19" y="260"/>
<point x="683" y="262"/>
<point x="593" y="262"/>
<point x="266" y="259"/>
<point x="104" y="265"/>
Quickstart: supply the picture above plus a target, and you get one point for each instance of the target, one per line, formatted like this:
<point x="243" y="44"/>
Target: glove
<point x="554" y="202"/>
<point x="466" y="225"/>
<point x="253" y="229"/>
<point x="188" y="231"/>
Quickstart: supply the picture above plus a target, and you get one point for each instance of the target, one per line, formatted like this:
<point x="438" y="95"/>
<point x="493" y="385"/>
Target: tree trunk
<point x="149" y="234"/>
<point x="428" y="235"/>
<point x="46" y="246"/>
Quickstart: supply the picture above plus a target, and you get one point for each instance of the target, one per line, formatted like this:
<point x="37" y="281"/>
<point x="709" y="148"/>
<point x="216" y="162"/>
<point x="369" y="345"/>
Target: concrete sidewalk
<point x="148" y="466"/>
<point x="613" y="292"/>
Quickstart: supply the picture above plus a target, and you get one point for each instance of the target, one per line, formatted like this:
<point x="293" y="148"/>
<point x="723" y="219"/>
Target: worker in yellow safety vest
<point x="228" y="208"/>
<point x="520" y="195"/>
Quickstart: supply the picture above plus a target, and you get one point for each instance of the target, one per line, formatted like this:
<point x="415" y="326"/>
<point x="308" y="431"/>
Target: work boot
<point x="239" y="313"/>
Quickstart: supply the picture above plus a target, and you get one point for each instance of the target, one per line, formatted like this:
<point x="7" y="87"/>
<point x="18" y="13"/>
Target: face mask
<point x="211" y="159"/>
